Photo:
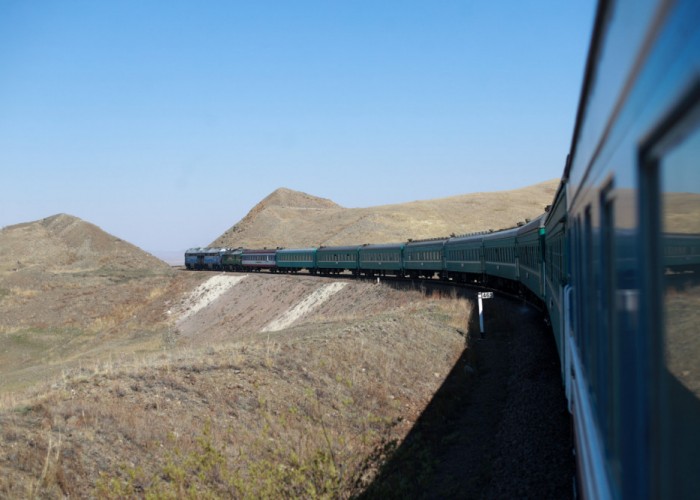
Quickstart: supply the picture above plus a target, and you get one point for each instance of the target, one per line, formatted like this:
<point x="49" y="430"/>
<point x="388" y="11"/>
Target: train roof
<point x="532" y="225"/>
<point x="379" y="246"/>
<point x="426" y="242"/>
<point x="342" y="248"/>
<point x="293" y="250"/>
<point x="503" y="233"/>
<point x="249" y="251"/>
<point x="466" y="238"/>
<point x="205" y="250"/>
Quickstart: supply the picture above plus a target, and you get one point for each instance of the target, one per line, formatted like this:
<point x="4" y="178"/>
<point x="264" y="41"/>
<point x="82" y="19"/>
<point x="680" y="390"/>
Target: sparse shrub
<point x="205" y="472"/>
<point x="312" y="411"/>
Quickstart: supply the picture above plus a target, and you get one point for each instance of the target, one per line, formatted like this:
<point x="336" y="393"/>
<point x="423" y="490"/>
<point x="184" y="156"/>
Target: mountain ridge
<point x="64" y="242"/>
<point x="308" y="221"/>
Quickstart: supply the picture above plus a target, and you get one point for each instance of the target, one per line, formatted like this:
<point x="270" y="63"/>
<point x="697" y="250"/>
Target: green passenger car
<point x="556" y="266"/>
<point x="464" y="257"/>
<point x="335" y="260"/>
<point x="424" y="258"/>
<point x="500" y="256"/>
<point x="382" y="260"/>
<point x="529" y="251"/>
<point x="295" y="260"/>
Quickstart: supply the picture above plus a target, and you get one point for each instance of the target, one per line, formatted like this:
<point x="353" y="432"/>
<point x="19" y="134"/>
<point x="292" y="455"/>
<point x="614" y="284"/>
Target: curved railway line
<point x="615" y="261"/>
<point x="498" y="426"/>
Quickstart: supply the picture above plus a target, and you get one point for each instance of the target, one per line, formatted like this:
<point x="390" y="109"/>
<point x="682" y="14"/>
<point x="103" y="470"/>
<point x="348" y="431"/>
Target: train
<point x="511" y="259"/>
<point x="614" y="260"/>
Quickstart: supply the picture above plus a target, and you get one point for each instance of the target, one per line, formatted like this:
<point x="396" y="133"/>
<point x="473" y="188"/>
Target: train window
<point x="610" y="362"/>
<point x="592" y="304"/>
<point x="672" y="176"/>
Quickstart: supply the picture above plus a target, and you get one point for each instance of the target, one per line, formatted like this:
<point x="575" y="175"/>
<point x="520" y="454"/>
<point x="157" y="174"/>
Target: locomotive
<point x="615" y="260"/>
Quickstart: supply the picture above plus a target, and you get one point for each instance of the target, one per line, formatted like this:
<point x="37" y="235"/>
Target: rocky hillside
<point x="66" y="243"/>
<point x="292" y="219"/>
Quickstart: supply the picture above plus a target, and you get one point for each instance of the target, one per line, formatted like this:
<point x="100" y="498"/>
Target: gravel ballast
<point x="499" y="426"/>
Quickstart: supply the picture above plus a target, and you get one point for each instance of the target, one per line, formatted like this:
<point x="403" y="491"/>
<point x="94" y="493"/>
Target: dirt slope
<point x="66" y="243"/>
<point x="229" y="412"/>
<point x="292" y="219"/>
<point x="70" y="291"/>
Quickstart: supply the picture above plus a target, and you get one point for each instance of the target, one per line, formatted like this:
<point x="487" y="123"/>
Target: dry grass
<point x="49" y="322"/>
<point x="103" y="393"/>
<point x="296" y="219"/>
<point x="309" y="411"/>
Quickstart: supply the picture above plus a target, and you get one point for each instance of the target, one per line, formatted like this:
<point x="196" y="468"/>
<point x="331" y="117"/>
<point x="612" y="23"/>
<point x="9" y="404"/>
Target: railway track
<point x="499" y="425"/>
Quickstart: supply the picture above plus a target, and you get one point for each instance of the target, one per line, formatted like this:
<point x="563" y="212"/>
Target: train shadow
<point x="409" y="471"/>
<point x="449" y="451"/>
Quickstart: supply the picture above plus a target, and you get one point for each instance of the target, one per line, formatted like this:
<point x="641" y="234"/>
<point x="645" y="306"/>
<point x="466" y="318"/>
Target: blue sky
<point x="164" y="122"/>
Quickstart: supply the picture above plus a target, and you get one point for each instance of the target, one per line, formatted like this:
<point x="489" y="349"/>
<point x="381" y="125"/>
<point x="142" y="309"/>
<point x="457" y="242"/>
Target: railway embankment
<point x="498" y="426"/>
<point x="372" y="390"/>
<point x="233" y="411"/>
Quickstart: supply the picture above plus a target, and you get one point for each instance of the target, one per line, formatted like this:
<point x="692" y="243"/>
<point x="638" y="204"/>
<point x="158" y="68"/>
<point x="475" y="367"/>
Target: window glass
<point x="611" y="362"/>
<point x="680" y="270"/>
<point x="680" y="221"/>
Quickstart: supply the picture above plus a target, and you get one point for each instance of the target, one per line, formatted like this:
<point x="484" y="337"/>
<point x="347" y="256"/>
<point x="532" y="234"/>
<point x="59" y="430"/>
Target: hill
<point x="68" y="288"/>
<point x="289" y="218"/>
<point x="66" y="243"/>
<point x="122" y="378"/>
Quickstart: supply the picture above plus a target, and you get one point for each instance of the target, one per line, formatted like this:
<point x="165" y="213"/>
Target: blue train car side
<point x="204" y="258"/>
<point x="634" y="186"/>
<point x="192" y="258"/>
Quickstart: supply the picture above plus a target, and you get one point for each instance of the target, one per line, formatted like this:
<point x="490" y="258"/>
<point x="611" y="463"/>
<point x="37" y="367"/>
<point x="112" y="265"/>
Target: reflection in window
<point x="680" y="259"/>
<point x="680" y="201"/>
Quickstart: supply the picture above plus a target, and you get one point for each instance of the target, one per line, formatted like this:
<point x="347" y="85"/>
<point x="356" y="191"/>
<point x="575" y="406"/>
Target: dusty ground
<point x="280" y="413"/>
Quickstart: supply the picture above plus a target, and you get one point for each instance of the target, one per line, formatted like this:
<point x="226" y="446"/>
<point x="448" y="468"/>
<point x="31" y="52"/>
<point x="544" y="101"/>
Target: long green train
<point x="493" y="258"/>
<point x="615" y="260"/>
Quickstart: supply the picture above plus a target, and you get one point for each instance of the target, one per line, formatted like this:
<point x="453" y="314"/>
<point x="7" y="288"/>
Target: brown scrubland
<point x="121" y="376"/>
